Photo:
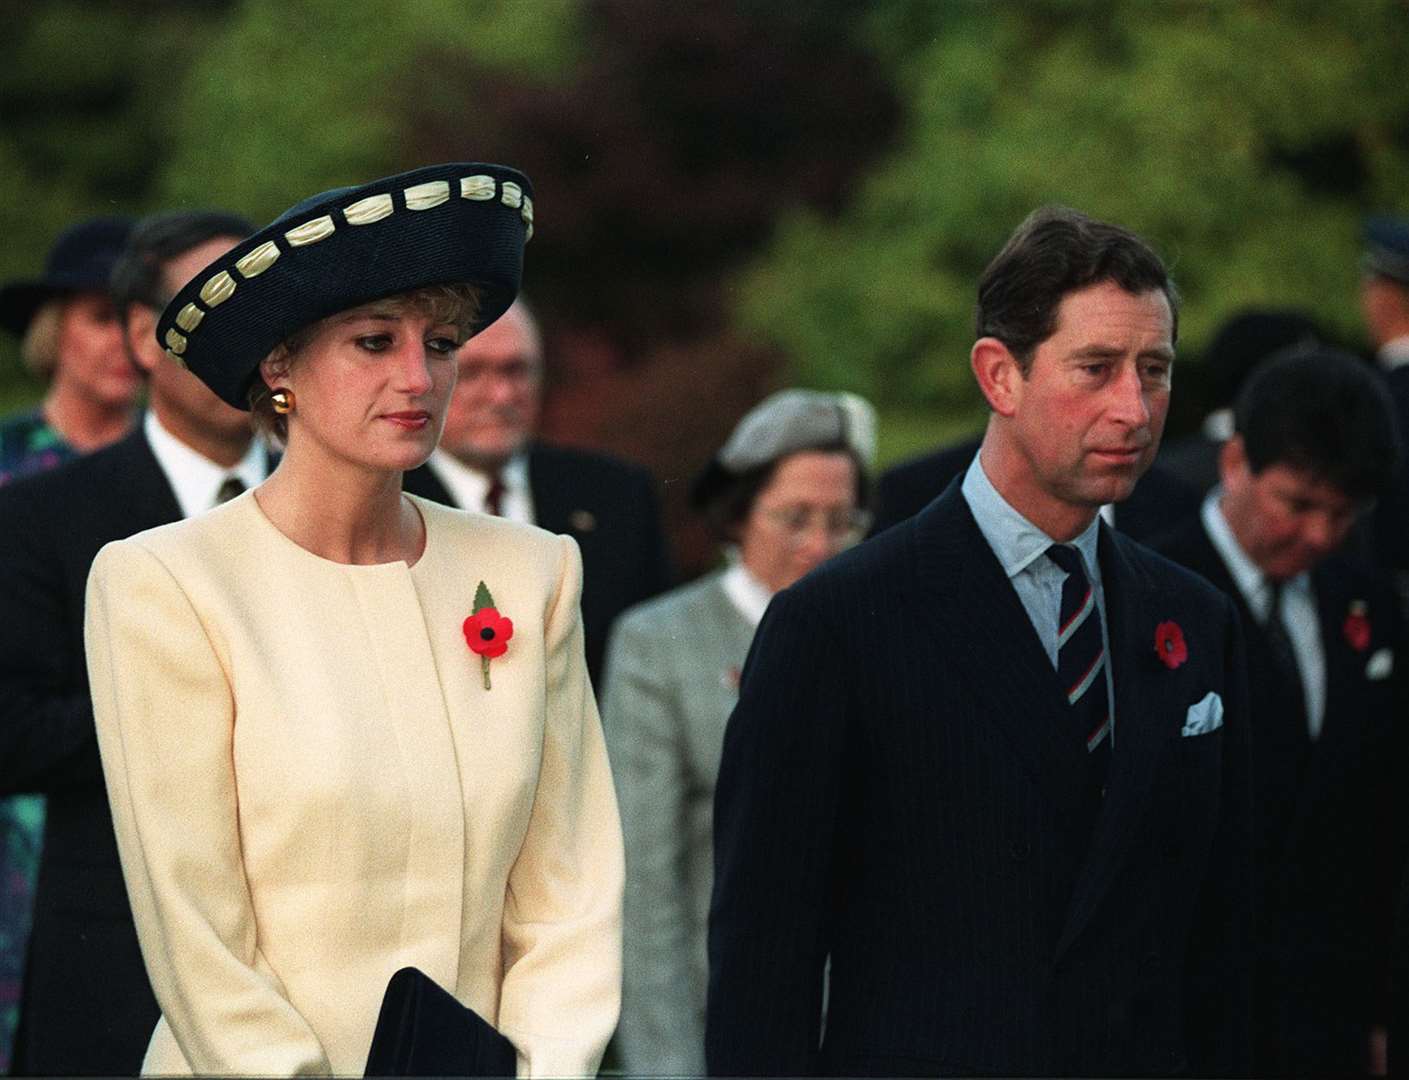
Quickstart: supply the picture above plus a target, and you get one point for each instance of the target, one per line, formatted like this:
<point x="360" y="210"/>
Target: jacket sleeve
<point x="165" y="718"/>
<point x="561" y="989"/>
<point x="775" y="820"/>
<point x="662" y="1009"/>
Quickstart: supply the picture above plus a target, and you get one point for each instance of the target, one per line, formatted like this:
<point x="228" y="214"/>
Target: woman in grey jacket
<point x="786" y="492"/>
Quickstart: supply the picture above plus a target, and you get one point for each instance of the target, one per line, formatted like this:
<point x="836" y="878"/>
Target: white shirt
<point x="1299" y="616"/>
<point x="194" y="477"/>
<point x="1020" y="546"/>
<point x="1394" y="353"/>
<point x="748" y="595"/>
<point x="469" y="487"/>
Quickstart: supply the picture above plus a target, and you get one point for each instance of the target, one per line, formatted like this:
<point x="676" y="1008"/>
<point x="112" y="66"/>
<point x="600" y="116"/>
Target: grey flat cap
<point x="786" y="423"/>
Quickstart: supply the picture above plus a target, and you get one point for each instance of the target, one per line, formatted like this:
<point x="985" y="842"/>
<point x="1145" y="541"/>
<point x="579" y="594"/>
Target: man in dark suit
<point x="86" y="1006"/>
<point x="1314" y="445"/>
<point x="1384" y="303"/>
<point x="1160" y="500"/>
<point x="489" y="461"/>
<point x="992" y="764"/>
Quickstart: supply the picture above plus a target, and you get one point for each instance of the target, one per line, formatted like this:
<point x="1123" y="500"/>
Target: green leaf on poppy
<point x="482" y="598"/>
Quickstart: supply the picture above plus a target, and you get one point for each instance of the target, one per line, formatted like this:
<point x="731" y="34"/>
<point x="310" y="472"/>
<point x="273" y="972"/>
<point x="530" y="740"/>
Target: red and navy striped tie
<point x="1081" y="661"/>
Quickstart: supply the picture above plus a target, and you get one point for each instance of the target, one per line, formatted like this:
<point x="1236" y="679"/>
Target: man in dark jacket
<point x="86" y="1007"/>
<point x="992" y="764"/>
<point x="1314" y="444"/>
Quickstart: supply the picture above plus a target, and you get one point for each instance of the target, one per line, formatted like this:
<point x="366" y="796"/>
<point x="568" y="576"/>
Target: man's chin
<point x="1115" y="481"/>
<point x="486" y="457"/>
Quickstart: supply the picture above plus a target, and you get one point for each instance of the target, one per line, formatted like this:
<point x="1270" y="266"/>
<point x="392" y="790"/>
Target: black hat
<point x="1249" y="337"/>
<point x="443" y="224"/>
<point x="80" y="261"/>
<point x="1387" y="248"/>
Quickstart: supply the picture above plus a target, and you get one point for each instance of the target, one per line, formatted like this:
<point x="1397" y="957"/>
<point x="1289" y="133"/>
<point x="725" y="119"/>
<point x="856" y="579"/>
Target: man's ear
<point x="1233" y="462"/>
<point x="139" y="332"/>
<point x="998" y="373"/>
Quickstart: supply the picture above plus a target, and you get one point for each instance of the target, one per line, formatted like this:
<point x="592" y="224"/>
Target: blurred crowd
<point x="1289" y="498"/>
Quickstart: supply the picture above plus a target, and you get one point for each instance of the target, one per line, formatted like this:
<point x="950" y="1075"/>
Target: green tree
<point x="290" y="98"/>
<point x="1246" y="140"/>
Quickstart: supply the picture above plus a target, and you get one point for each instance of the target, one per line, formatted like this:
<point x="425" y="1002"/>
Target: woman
<point x="70" y="340"/>
<point x="786" y="491"/>
<point x="345" y="730"/>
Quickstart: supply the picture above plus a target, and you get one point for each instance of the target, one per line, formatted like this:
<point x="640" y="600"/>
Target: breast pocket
<point x="1198" y="760"/>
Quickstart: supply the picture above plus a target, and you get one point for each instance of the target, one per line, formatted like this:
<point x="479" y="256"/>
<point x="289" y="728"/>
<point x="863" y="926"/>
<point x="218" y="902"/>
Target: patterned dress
<point x="27" y="445"/>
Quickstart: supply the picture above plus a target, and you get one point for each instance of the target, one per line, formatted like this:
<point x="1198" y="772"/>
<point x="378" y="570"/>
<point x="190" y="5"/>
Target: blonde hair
<point x="39" y="348"/>
<point x="457" y="304"/>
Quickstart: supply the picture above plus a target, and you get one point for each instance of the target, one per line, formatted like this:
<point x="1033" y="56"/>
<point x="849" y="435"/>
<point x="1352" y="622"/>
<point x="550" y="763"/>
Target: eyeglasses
<point x="841" y="527"/>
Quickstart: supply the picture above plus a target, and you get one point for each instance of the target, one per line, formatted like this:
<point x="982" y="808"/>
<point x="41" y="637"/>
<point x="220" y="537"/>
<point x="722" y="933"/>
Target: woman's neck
<point x="83" y="423"/>
<point x="340" y="511"/>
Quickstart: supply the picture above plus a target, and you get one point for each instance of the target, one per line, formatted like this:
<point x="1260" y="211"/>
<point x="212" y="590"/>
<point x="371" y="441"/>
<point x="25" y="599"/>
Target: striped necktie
<point x="1081" y="661"/>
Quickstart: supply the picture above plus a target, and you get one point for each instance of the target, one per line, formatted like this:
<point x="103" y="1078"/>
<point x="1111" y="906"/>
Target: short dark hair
<point x="1321" y="411"/>
<point x="137" y="275"/>
<point x="1057" y="251"/>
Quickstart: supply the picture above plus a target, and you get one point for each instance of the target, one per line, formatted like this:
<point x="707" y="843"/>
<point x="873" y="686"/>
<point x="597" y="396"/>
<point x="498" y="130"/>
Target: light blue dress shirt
<point x="1021" y="548"/>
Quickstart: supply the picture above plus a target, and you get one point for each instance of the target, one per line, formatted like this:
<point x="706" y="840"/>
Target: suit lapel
<point x="145" y="493"/>
<point x="424" y="482"/>
<point x="550" y="497"/>
<point x="976" y="619"/>
<point x="1132" y="613"/>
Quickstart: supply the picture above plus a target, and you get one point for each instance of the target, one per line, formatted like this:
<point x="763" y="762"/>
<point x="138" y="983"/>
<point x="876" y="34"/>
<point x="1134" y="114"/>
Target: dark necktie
<point x="231" y="486"/>
<point x="494" y="497"/>
<point x="1081" y="663"/>
<point x="1284" y="655"/>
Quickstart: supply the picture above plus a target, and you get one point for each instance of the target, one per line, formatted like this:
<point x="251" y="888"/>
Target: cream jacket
<point x="312" y="788"/>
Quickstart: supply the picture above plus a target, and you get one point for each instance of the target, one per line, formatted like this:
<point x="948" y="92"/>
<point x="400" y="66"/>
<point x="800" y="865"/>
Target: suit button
<point x="1172" y="849"/>
<point x="1153" y="962"/>
<point x="1019" y="850"/>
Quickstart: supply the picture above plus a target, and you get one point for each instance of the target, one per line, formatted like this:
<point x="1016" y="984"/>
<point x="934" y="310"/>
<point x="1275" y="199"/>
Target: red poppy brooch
<point x="1169" y="644"/>
<point x="487" y="633"/>
<point x="1356" y="627"/>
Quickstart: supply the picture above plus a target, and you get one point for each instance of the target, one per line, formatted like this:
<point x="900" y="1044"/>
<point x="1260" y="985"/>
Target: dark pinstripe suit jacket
<point x="897" y="794"/>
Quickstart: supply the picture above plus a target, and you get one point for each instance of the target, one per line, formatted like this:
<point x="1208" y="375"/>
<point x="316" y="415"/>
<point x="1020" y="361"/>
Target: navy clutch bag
<point x="423" y="1031"/>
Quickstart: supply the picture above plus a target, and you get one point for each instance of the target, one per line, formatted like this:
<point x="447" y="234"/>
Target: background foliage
<point x="733" y="194"/>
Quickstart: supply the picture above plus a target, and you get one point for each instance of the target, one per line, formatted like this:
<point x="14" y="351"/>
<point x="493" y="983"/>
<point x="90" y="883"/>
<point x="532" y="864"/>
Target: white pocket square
<point x="1380" y="664"/>
<point x="1205" y="716"/>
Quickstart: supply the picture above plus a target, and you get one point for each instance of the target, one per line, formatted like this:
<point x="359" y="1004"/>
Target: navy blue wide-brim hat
<point x="80" y="261"/>
<point x="439" y="225"/>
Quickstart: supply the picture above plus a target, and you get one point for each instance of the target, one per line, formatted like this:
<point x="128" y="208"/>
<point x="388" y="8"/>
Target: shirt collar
<point x="1016" y="541"/>
<point x="470" y="486"/>
<point x="194" y="478"/>
<point x="749" y="595"/>
<point x="1251" y="581"/>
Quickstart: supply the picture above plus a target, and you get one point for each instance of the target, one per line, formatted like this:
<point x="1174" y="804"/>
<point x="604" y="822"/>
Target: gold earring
<point x="282" y="400"/>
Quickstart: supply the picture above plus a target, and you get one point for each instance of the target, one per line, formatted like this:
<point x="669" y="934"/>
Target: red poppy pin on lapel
<point x="1356" y="627"/>
<point x="487" y="633"/>
<point x="1169" y="644"/>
